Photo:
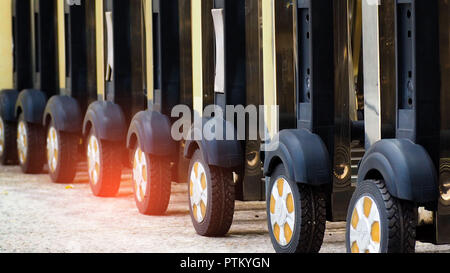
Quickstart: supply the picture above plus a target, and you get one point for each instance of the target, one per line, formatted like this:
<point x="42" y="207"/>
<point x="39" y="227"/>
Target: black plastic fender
<point x="65" y="113"/>
<point x="152" y="130"/>
<point x="31" y="103"/>
<point x="107" y="120"/>
<point x="216" y="151"/>
<point x="8" y="99"/>
<point x="406" y="167"/>
<point x="304" y="156"/>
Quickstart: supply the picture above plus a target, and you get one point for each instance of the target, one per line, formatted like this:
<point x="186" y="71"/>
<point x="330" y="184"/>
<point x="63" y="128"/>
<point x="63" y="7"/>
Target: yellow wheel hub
<point x="52" y="149"/>
<point x="93" y="154"/>
<point x="282" y="212"/>
<point x="365" y="230"/>
<point x="198" y="192"/>
<point x="140" y="175"/>
<point x="22" y="142"/>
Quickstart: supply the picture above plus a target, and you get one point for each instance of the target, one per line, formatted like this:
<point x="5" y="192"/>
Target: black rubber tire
<point x="35" y="158"/>
<point x="110" y="169"/>
<point x="310" y="216"/>
<point x="9" y="155"/>
<point x="221" y="199"/>
<point x="398" y="218"/>
<point x="66" y="167"/>
<point x="157" y="195"/>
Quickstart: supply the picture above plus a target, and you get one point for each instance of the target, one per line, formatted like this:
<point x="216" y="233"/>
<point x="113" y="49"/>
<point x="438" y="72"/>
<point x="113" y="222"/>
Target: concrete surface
<point x="39" y="216"/>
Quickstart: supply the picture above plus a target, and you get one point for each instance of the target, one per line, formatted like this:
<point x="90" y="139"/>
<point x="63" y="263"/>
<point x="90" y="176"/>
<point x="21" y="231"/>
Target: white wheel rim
<point x="2" y="137"/>
<point x="282" y="212"/>
<point x="198" y="192"/>
<point x="140" y="175"/>
<point x="93" y="153"/>
<point x="52" y="149"/>
<point x="365" y="229"/>
<point x="22" y="142"/>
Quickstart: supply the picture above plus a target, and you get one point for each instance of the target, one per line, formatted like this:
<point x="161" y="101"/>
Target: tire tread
<point x="402" y="217"/>
<point x="9" y="156"/>
<point x="160" y="187"/>
<point x="68" y="158"/>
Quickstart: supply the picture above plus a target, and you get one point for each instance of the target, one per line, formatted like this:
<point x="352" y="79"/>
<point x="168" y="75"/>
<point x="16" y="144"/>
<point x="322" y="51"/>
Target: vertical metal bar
<point x="314" y="65"/>
<point x="78" y="39"/>
<point x="342" y="189"/>
<point x="46" y="53"/>
<point x="184" y="9"/>
<point x="138" y="98"/>
<point x="379" y="70"/>
<point x="285" y="72"/>
<point x="388" y="75"/>
<point x="91" y="54"/>
<point x="33" y="41"/>
<point x="406" y="126"/>
<point x="304" y="64"/>
<point x="372" y="80"/>
<point x="252" y="186"/>
<point x="442" y="221"/>
<point x="23" y="61"/>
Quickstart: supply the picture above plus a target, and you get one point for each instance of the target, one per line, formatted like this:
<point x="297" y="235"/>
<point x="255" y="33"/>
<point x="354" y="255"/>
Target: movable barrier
<point x="227" y="72"/>
<point x="156" y="154"/>
<point x="120" y="91"/>
<point x="407" y="170"/>
<point x="309" y="175"/>
<point x="63" y="115"/>
<point x="30" y="104"/>
<point x="17" y="70"/>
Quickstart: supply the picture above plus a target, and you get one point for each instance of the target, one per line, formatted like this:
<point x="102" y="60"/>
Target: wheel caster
<point x="30" y="146"/>
<point x="211" y="197"/>
<point x="296" y="215"/>
<point x="152" y="183"/>
<point x="378" y="222"/>
<point x="62" y="151"/>
<point x="8" y="143"/>
<point x="104" y="166"/>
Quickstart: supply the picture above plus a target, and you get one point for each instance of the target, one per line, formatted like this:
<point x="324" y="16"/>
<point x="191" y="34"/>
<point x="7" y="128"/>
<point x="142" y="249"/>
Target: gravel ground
<point x="39" y="216"/>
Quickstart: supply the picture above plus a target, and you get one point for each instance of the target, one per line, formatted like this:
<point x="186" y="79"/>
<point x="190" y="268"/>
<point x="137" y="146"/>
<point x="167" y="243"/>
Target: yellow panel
<point x="148" y="17"/>
<point x="6" y="50"/>
<point x="269" y="82"/>
<point x="197" y="56"/>
<point x="100" y="48"/>
<point x="61" y="45"/>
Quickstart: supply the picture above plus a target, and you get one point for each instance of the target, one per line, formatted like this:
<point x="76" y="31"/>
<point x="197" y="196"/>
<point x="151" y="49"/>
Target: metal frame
<point x="43" y="30"/>
<point x="230" y="74"/>
<point x="44" y="65"/>
<point x="442" y="221"/>
<point x="314" y="81"/>
<point x="119" y="65"/>
<point x="22" y="44"/>
<point x="21" y="69"/>
<point x="166" y="84"/>
<point x="77" y="87"/>
<point x="409" y="47"/>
